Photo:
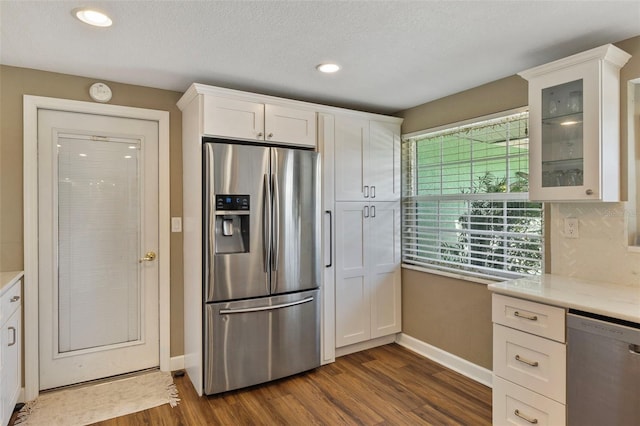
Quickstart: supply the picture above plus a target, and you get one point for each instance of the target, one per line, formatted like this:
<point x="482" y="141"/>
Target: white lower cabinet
<point x="367" y="271"/>
<point x="516" y="405"/>
<point x="529" y="363"/>
<point x="10" y="350"/>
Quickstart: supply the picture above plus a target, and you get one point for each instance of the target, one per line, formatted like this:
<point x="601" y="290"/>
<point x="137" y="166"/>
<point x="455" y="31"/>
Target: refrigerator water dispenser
<point x="232" y="224"/>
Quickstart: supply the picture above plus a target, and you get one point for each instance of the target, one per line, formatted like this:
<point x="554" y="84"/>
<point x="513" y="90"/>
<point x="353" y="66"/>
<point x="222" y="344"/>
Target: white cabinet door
<point x="351" y="153"/>
<point x="383" y="168"/>
<point x="367" y="164"/>
<point x="368" y="287"/>
<point x="233" y="118"/>
<point x="290" y="125"/>
<point x="384" y="268"/>
<point x="353" y="306"/>
<point x="326" y="149"/>
<point x="11" y="364"/>
<point x="574" y="127"/>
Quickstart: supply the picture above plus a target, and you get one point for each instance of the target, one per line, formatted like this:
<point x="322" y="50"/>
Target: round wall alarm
<point x="100" y="92"/>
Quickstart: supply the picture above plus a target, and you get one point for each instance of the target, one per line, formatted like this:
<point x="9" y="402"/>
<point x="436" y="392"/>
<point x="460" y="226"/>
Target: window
<point x="465" y="200"/>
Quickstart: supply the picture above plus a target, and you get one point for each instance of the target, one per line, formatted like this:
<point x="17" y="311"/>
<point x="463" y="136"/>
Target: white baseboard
<point x="453" y="362"/>
<point x="176" y="363"/>
<point x="363" y="346"/>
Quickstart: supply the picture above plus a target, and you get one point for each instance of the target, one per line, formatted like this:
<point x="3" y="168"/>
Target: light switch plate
<point x="570" y="227"/>
<point x="176" y="224"/>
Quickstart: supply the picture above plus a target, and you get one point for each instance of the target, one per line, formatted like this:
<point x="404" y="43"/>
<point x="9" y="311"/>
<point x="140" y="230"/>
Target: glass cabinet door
<point x="562" y="131"/>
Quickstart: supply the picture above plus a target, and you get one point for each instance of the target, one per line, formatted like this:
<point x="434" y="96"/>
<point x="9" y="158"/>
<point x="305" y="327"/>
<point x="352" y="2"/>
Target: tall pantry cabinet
<point x="363" y="156"/>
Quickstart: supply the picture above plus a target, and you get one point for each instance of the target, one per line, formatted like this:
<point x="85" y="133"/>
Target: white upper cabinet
<point x="384" y="161"/>
<point x="367" y="159"/>
<point x="574" y="127"/>
<point x="233" y="118"/>
<point x="247" y="120"/>
<point x="290" y="125"/>
<point x="351" y="140"/>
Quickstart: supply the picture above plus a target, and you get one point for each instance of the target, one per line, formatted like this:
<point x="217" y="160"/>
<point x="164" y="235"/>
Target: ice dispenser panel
<point x="232" y="223"/>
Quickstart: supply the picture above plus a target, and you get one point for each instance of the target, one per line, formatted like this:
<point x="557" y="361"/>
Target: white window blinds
<point x="465" y="200"/>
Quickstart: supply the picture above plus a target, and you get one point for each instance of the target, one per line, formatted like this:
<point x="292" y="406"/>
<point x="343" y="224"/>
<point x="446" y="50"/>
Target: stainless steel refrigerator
<point x="261" y="264"/>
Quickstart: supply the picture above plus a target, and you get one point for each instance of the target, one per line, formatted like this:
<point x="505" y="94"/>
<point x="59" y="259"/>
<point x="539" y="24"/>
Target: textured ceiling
<point x="394" y="54"/>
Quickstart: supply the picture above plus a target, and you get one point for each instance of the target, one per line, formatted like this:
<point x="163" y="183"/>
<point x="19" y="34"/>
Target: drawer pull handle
<point x="526" y="418"/>
<point x="529" y="317"/>
<point x="14" y="339"/>
<point x="526" y="361"/>
<point x="15" y="299"/>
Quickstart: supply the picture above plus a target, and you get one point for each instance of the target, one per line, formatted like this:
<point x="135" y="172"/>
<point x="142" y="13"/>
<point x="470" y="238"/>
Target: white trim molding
<point x="30" y="189"/>
<point x="177" y="363"/>
<point x="453" y="362"/>
<point x="367" y="344"/>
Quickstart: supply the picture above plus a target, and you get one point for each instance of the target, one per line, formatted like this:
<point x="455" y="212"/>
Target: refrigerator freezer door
<point x="255" y="341"/>
<point x="296" y="220"/>
<point x="236" y="169"/>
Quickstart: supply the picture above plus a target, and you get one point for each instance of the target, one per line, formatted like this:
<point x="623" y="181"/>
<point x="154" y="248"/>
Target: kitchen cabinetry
<point x="367" y="159"/>
<point x="11" y="347"/>
<point x="217" y="112"/>
<point x="238" y="118"/>
<point x="529" y="362"/>
<point x="365" y="177"/>
<point x="367" y="271"/>
<point x="574" y="127"/>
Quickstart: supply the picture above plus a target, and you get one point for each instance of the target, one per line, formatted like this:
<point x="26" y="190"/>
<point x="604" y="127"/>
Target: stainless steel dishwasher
<point x="603" y="371"/>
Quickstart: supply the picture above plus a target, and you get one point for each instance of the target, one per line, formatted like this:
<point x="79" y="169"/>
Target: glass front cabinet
<point x="574" y="127"/>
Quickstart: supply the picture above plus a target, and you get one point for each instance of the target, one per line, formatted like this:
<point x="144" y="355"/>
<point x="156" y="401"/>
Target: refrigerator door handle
<point x="266" y="220"/>
<point x="330" y="239"/>
<point x="265" y="308"/>
<point x="275" y="250"/>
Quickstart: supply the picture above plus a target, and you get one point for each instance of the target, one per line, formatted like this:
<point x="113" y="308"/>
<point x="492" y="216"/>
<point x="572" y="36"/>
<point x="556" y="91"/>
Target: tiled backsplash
<point x="601" y="250"/>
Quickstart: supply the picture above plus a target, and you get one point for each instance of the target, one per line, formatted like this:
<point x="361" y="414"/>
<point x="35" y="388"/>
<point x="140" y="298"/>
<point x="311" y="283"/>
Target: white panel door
<point x="351" y="151"/>
<point x="382" y="171"/>
<point x="98" y="238"/>
<point x="384" y="268"/>
<point x="353" y="307"/>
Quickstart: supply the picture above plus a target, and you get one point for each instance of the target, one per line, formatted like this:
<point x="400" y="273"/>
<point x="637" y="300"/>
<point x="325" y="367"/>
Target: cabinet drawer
<point x="536" y="318"/>
<point x="10" y="301"/>
<point x="515" y="405"/>
<point x="530" y="361"/>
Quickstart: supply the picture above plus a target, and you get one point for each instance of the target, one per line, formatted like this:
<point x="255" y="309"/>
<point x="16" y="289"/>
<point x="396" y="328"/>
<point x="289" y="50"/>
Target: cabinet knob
<point x="589" y="192"/>
<point x="15" y="298"/>
<point x="270" y="135"/>
<point x="259" y="134"/>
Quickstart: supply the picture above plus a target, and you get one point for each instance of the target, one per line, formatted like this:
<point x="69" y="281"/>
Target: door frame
<point x="30" y="193"/>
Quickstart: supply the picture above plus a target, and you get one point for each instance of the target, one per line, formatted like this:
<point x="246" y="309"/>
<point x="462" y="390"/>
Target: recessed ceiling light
<point x="328" y="68"/>
<point x="92" y="17"/>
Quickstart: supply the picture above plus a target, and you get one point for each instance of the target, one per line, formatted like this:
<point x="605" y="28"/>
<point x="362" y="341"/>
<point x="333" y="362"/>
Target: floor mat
<point x="92" y="403"/>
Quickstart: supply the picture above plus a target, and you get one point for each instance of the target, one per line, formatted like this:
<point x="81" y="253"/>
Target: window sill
<point x="462" y="277"/>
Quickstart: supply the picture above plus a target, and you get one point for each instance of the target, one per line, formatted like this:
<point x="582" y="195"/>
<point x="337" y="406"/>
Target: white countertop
<point x="8" y="278"/>
<point x="612" y="300"/>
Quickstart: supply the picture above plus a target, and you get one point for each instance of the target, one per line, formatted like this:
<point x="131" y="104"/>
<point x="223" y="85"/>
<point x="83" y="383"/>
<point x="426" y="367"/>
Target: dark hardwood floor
<point x="389" y="385"/>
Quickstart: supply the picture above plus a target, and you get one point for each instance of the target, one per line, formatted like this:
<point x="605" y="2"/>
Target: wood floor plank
<point x="389" y="385"/>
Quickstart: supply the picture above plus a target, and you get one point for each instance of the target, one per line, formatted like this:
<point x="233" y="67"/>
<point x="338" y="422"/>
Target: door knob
<point x="150" y="256"/>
